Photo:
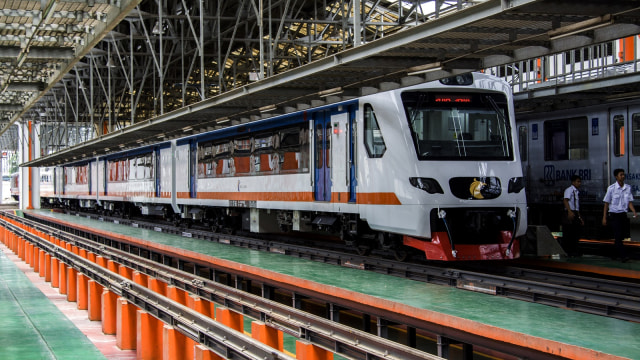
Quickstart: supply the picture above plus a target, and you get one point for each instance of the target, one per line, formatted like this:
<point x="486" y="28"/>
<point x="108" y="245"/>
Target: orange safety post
<point x="203" y="306"/>
<point x="21" y="248"/>
<point x="63" y="278"/>
<point x="140" y="278"/>
<point x="101" y="261"/>
<point x="68" y="246"/>
<point x="95" y="301"/>
<point x="47" y="267"/>
<point x="83" y="291"/>
<point x="75" y="250"/>
<point x="148" y="335"/>
<point x="72" y="284"/>
<point x="35" y="259"/>
<point x="126" y="325"/>
<point x="176" y="294"/>
<point x="307" y="351"/>
<point x="41" y="267"/>
<point x="109" y="311"/>
<point x="112" y="266"/>
<point x="158" y="286"/>
<point x="230" y="318"/>
<point x="55" y="272"/>
<point x="91" y="256"/>
<point x="62" y="244"/>
<point x="83" y="253"/>
<point x="28" y="250"/>
<point x="176" y="346"/>
<point x="201" y="352"/>
<point x="267" y="335"/>
<point x="126" y="272"/>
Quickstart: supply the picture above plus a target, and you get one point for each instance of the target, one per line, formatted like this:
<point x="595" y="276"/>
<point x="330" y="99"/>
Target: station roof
<point x="488" y="34"/>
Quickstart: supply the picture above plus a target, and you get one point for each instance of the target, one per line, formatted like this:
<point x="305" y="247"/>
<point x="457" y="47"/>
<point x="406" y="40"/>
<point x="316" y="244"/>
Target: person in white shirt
<point x="617" y="201"/>
<point x="572" y="221"/>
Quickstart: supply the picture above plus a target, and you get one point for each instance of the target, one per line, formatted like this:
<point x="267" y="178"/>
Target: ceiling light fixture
<point x="267" y="108"/>
<point x="421" y="69"/>
<point x="329" y="92"/>
<point x="581" y="26"/>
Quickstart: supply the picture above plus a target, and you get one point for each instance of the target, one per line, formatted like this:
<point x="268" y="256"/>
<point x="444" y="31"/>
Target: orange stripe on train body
<point x="342" y="197"/>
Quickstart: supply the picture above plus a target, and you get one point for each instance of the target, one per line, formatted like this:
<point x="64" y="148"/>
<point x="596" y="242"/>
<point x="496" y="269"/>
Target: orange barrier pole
<point x="72" y="284"/>
<point x="267" y="335"/>
<point x="95" y="301"/>
<point x="41" y="267"/>
<point x="158" y="286"/>
<point x="28" y="250"/>
<point x="203" y="306"/>
<point x="176" y="294"/>
<point x="126" y="325"/>
<point x="109" y="312"/>
<point x="126" y="272"/>
<point x="21" y="248"/>
<point x="83" y="253"/>
<point x="140" y="278"/>
<point x="83" y="291"/>
<point x="176" y="346"/>
<point x="55" y="272"/>
<point x="35" y="263"/>
<point x="75" y="250"/>
<point x="101" y="261"/>
<point x="91" y="256"/>
<point x="113" y="266"/>
<point x="230" y="318"/>
<point x="307" y="351"/>
<point x="201" y="352"/>
<point x="149" y="336"/>
<point x="63" y="278"/>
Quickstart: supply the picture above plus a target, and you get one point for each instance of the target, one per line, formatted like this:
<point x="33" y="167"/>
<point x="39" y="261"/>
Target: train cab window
<point x="618" y="136"/>
<point x="373" y="140"/>
<point x="459" y="126"/>
<point x="566" y="139"/>
<point x="635" y="141"/>
<point x="522" y="142"/>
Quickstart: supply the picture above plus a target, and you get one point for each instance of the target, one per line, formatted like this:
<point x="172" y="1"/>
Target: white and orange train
<point x="433" y="166"/>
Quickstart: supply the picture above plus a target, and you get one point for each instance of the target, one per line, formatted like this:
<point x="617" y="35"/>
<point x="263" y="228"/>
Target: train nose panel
<point x="475" y="188"/>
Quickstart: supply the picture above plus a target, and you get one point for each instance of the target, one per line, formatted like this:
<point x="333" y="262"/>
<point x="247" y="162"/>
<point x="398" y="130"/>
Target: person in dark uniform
<point x="572" y="221"/>
<point x="617" y="201"/>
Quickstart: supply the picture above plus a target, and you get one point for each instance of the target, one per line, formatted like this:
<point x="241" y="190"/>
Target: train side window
<point x="373" y="140"/>
<point x="635" y="145"/>
<point x="522" y="140"/>
<point x="566" y="139"/>
<point x="618" y="135"/>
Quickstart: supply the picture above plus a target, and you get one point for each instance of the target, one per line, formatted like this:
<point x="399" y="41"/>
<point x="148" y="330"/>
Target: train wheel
<point x="400" y="255"/>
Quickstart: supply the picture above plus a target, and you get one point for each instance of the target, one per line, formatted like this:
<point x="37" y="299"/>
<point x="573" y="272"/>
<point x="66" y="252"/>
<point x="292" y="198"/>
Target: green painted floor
<point x="611" y="336"/>
<point x="31" y="327"/>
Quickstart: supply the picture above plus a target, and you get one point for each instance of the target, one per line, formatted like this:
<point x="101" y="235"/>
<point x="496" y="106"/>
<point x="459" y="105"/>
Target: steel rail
<point x="221" y="339"/>
<point x="567" y="291"/>
<point x="333" y="336"/>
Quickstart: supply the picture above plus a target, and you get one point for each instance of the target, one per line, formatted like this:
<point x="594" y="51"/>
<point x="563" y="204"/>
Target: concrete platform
<point x="31" y="326"/>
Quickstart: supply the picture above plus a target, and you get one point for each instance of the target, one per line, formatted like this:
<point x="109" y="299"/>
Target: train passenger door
<point x="157" y="172"/>
<point x="619" y="125"/>
<point x="193" y="157"/>
<point x="322" y="155"/>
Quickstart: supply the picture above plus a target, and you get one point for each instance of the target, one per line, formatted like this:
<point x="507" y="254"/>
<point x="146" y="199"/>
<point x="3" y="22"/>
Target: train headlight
<point x="516" y="184"/>
<point x="462" y="79"/>
<point x="427" y="184"/>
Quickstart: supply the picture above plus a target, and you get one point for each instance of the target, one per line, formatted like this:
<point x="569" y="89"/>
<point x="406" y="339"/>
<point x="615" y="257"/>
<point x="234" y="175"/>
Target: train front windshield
<point x="459" y="126"/>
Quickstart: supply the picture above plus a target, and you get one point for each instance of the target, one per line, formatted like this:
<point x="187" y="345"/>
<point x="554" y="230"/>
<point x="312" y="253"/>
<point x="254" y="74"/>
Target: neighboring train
<point x="433" y="166"/>
<point x="45" y="185"/>
<point x="590" y="142"/>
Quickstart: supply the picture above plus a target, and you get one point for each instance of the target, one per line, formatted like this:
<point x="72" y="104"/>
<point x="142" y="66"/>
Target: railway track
<point x="612" y="297"/>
